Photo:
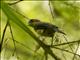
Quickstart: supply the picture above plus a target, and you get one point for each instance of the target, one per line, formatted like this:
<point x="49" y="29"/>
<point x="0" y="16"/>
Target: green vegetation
<point x="19" y="40"/>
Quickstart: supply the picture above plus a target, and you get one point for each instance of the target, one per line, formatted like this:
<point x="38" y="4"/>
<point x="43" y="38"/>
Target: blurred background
<point x="66" y="15"/>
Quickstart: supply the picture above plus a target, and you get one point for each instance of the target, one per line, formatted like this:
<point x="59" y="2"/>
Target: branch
<point x="66" y="51"/>
<point x="76" y="51"/>
<point x="51" y="10"/>
<point x="15" y="2"/>
<point x="45" y="47"/>
<point x="12" y="37"/>
<point x="66" y="43"/>
<point x="4" y="31"/>
<point x="46" y="55"/>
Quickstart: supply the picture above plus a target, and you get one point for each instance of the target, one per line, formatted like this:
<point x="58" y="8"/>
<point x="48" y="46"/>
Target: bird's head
<point x="32" y="22"/>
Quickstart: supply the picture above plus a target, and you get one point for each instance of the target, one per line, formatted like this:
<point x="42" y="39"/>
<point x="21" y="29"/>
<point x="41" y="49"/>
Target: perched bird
<point x="43" y="28"/>
<point x="47" y="29"/>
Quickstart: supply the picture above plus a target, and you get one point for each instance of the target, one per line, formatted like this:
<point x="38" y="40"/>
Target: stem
<point x="76" y="51"/>
<point x="4" y="31"/>
<point x="68" y="43"/>
<point x="12" y="37"/>
<point x="51" y="10"/>
<point x="15" y="2"/>
<point x="72" y="42"/>
<point x="46" y="55"/>
<point x="66" y="51"/>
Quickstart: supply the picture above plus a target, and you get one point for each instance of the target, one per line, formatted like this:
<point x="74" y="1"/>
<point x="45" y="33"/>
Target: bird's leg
<point x="52" y="41"/>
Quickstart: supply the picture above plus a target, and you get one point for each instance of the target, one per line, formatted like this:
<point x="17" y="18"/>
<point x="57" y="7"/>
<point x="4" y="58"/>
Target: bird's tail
<point x="61" y="32"/>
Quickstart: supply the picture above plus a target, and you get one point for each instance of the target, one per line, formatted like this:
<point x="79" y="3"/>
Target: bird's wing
<point x="48" y="26"/>
<point x="42" y="25"/>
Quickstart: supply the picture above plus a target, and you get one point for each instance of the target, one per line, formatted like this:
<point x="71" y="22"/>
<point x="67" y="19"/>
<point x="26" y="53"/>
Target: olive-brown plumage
<point x="43" y="28"/>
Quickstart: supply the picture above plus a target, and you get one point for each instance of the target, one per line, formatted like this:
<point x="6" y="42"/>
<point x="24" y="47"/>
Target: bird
<point x="44" y="29"/>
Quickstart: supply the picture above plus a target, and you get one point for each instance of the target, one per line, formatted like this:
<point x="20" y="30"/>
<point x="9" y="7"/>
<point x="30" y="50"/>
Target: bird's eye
<point x="30" y="21"/>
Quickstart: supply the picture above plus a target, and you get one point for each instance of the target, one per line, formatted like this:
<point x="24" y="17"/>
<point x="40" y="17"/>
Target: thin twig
<point x="46" y="55"/>
<point x="51" y="10"/>
<point x="4" y="31"/>
<point x="38" y="46"/>
<point x="61" y="51"/>
<point x="5" y="46"/>
<point x="72" y="42"/>
<point x="68" y="43"/>
<point x="13" y="41"/>
<point x="76" y="51"/>
<point x="52" y="41"/>
<point x="12" y="37"/>
<point x="15" y="2"/>
<point x="66" y="51"/>
<point x="6" y="41"/>
<point x="50" y="52"/>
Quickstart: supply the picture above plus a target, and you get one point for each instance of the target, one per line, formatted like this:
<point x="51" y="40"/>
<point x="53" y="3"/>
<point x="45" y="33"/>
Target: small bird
<point x="47" y="29"/>
<point x="44" y="29"/>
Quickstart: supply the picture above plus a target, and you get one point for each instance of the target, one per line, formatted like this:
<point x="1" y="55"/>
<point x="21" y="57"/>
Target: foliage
<point x="19" y="40"/>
